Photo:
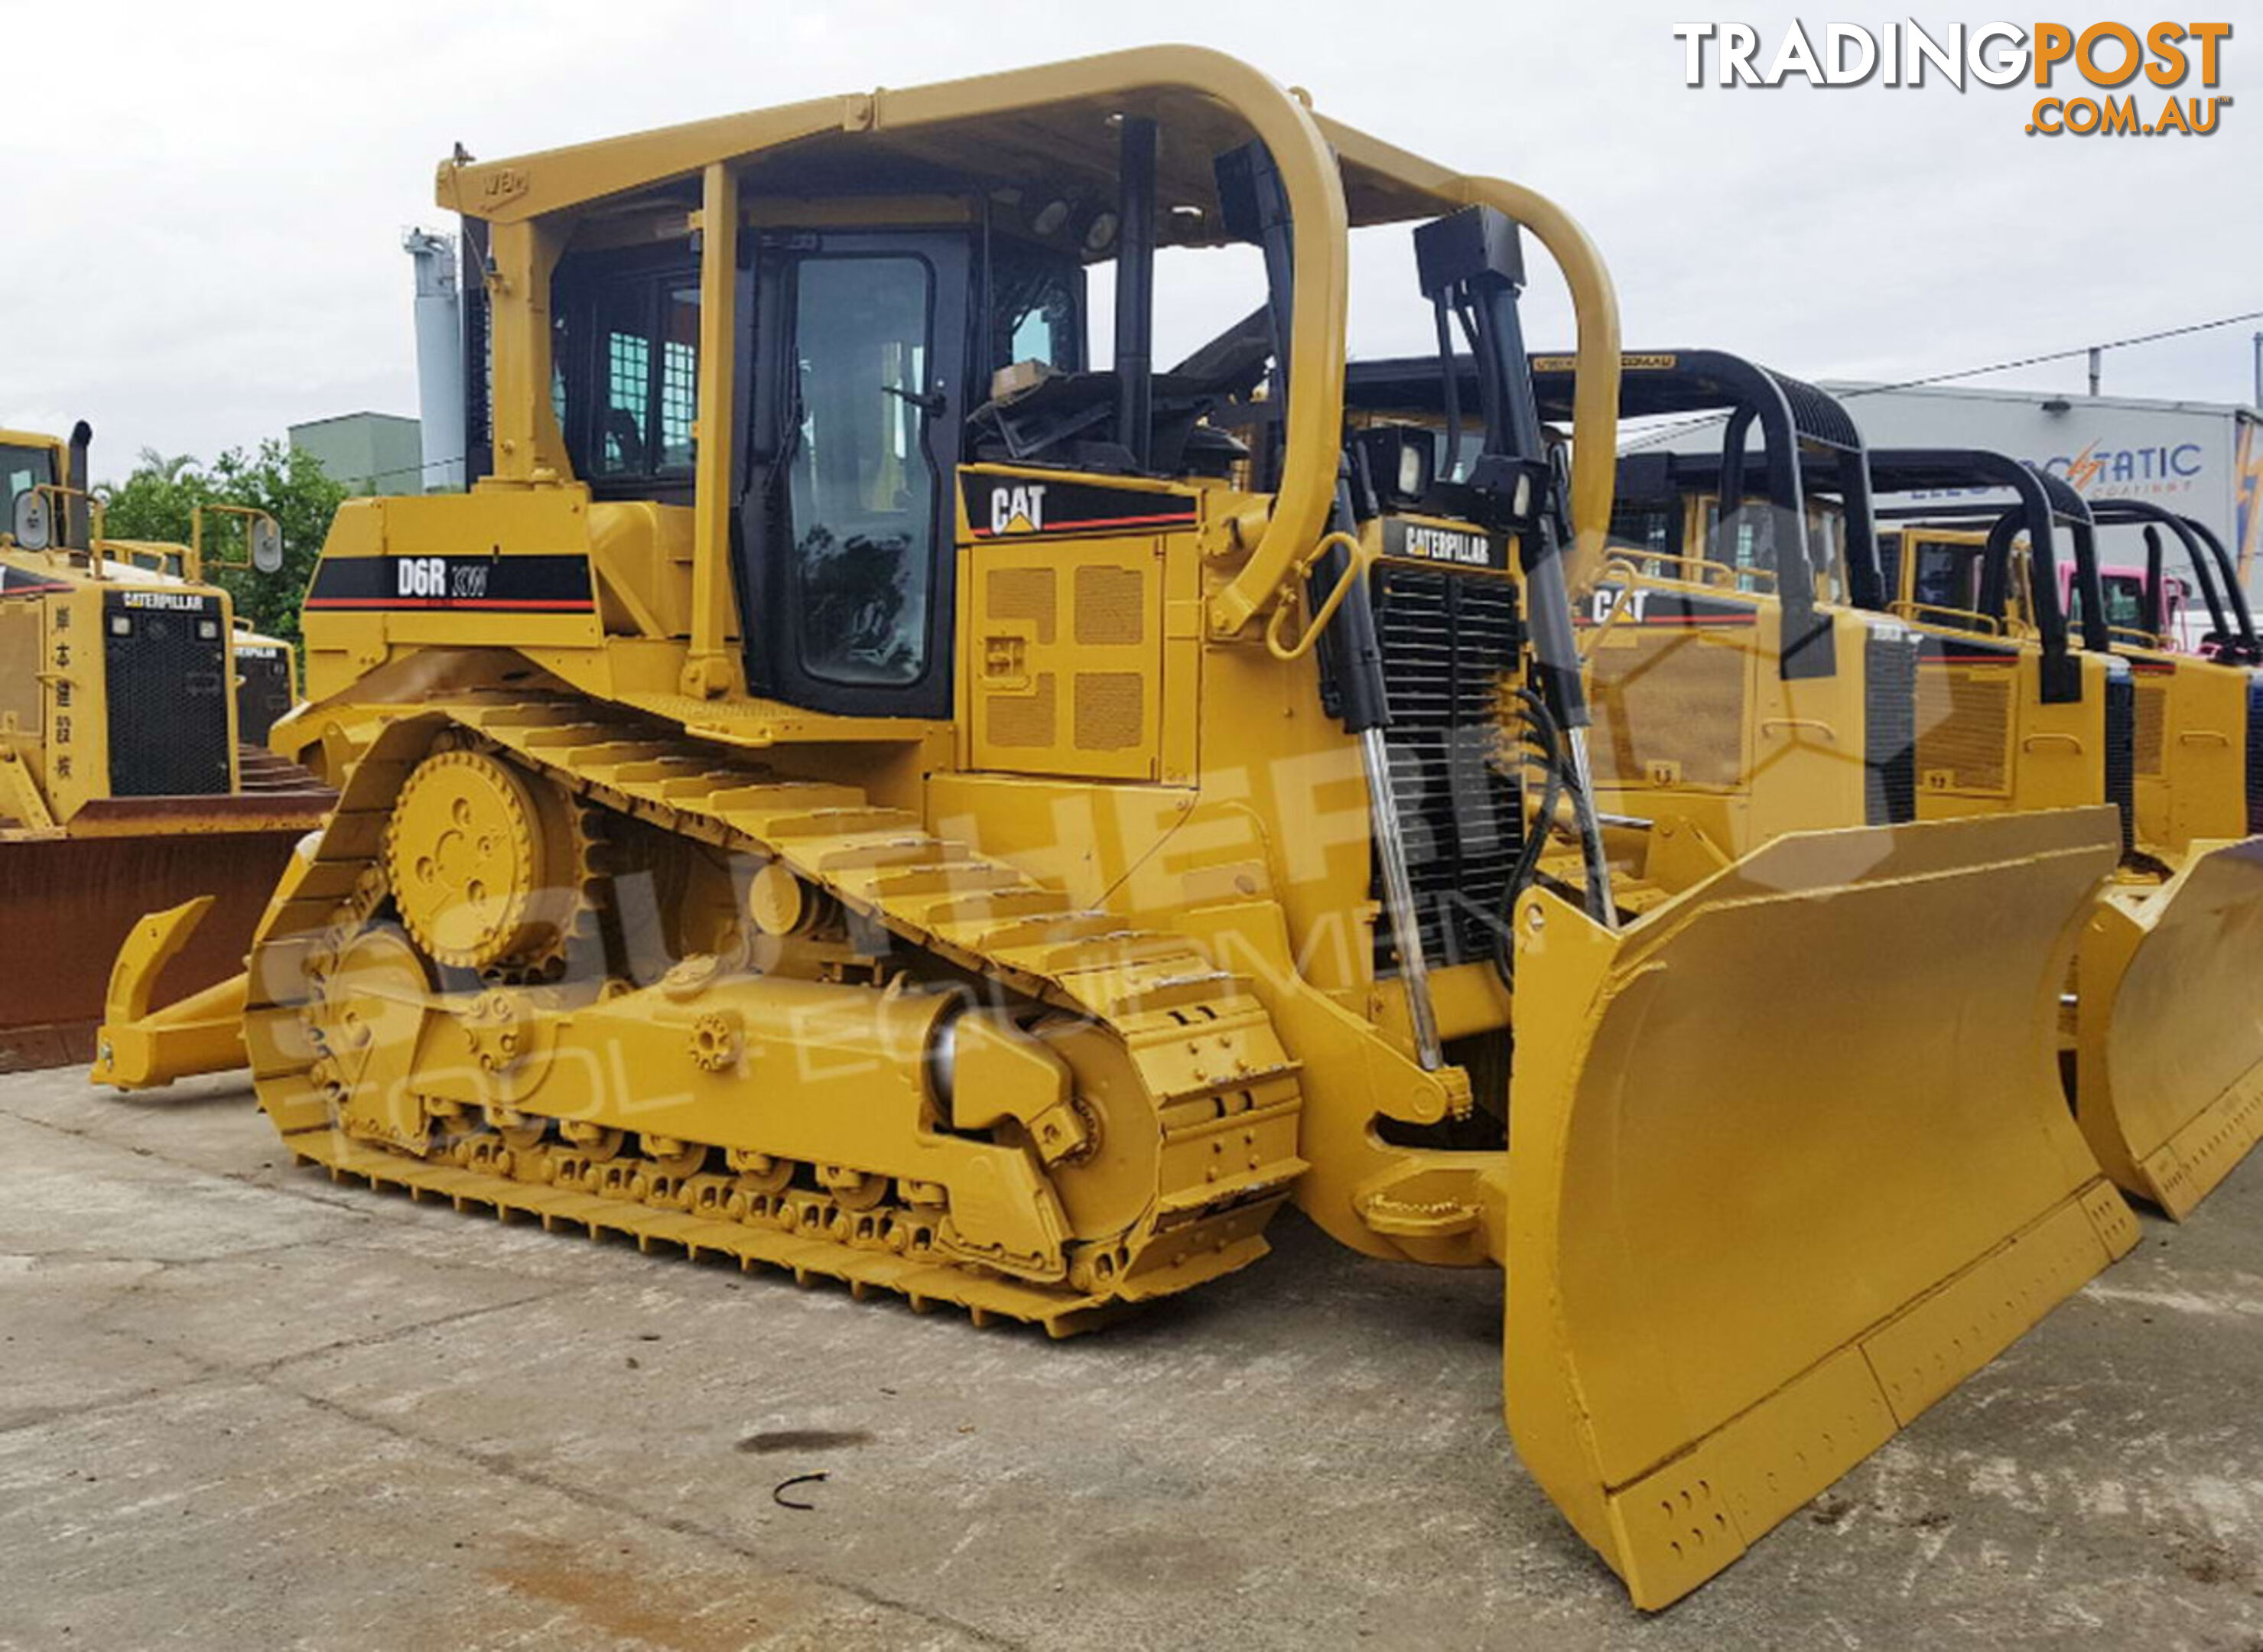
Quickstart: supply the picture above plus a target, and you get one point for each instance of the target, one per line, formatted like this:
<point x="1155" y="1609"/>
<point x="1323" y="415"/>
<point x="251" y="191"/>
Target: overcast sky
<point x="207" y="202"/>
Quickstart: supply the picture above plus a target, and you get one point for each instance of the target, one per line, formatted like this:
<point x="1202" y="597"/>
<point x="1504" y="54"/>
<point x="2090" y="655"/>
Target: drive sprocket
<point x="487" y="865"/>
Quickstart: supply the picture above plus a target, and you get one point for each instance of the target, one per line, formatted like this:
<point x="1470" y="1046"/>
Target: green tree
<point x="158" y="501"/>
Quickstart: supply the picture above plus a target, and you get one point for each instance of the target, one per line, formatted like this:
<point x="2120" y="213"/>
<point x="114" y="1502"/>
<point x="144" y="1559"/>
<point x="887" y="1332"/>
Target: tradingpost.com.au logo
<point x="2143" y="73"/>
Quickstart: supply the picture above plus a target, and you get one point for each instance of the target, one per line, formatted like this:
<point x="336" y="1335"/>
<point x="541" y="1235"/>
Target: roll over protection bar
<point x="1800" y="425"/>
<point x="2227" y="604"/>
<point x="2044" y="502"/>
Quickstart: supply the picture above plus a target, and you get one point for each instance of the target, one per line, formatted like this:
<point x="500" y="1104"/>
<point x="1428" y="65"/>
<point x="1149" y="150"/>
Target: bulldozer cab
<point x="1936" y="575"/>
<point x="28" y="463"/>
<point x="896" y="330"/>
<point x="873" y="345"/>
<point x="2140" y="609"/>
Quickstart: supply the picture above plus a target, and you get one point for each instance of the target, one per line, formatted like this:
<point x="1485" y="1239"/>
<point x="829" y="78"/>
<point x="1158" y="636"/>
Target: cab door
<point x="859" y="382"/>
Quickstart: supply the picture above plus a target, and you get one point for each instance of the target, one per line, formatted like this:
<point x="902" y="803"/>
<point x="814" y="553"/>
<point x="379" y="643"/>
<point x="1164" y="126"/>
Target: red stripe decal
<point x="1093" y="522"/>
<point x="560" y="604"/>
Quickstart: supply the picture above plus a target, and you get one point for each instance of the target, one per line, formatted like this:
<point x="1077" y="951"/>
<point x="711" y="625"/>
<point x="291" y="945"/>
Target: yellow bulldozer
<point x="122" y="782"/>
<point x="2017" y="694"/>
<point x="857" y="790"/>
<point x="2167" y="1051"/>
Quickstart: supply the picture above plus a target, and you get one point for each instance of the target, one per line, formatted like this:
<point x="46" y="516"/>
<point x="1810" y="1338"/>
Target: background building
<point x="369" y="452"/>
<point x="2200" y="460"/>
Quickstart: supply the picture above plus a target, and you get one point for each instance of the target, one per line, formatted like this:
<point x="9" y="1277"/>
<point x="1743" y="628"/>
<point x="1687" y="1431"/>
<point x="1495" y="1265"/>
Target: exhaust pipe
<point x="1135" y="292"/>
<point x="78" y="516"/>
<point x="439" y="363"/>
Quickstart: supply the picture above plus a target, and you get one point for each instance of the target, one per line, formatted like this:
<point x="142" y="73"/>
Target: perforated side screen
<point x="1670" y="696"/>
<point x="2255" y="755"/>
<point x="2151" y="727"/>
<point x="1964" y="727"/>
<point x="263" y="694"/>
<point x="1068" y="645"/>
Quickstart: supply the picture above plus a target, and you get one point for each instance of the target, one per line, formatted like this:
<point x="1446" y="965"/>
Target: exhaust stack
<point x="439" y="358"/>
<point x="78" y="516"/>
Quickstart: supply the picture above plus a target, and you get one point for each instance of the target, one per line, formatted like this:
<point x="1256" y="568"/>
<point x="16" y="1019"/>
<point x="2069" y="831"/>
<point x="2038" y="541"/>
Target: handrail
<point x="1986" y="624"/>
<point x="1358" y="559"/>
<point x="1621" y="568"/>
<point x="1712" y="572"/>
<point x="96" y="565"/>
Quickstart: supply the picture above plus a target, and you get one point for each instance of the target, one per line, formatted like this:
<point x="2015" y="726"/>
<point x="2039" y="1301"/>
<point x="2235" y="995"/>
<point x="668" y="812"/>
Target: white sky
<point x="205" y="202"/>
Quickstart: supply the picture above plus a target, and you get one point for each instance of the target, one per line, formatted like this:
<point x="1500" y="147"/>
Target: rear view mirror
<point x="263" y="540"/>
<point x="266" y="544"/>
<point x="34" y="521"/>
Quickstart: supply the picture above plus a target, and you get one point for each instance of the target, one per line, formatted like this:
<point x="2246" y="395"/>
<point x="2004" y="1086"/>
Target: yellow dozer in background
<point x="2167" y="1036"/>
<point x="2021" y="701"/>
<point x="858" y="791"/>
<point x="121" y="785"/>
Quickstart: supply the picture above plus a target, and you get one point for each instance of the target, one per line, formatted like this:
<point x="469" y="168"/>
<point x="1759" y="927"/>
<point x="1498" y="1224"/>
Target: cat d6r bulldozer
<point x="122" y="784"/>
<point x="857" y="790"/>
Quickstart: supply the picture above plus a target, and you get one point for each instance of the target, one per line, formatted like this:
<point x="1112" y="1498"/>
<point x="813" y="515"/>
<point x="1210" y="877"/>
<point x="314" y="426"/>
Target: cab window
<point x="2125" y="603"/>
<point x="1037" y="305"/>
<point x="625" y="381"/>
<point x="1945" y="577"/>
<point x="861" y="491"/>
<point x="21" y="470"/>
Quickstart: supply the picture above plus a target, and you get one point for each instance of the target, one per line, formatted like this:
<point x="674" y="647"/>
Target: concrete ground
<point x="243" y="1408"/>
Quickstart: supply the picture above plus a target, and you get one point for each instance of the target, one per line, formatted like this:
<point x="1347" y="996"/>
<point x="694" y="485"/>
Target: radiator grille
<point x="1964" y="727"/>
<point x="261" y="695"/>
<point x="2152" y="716"/>
<point x="168" y="672"/>
<point x="1889" y="728"/>
<point x="2121" y="756"/>
<point x="1675" y="697"/>
<point x="1449" y="641"/>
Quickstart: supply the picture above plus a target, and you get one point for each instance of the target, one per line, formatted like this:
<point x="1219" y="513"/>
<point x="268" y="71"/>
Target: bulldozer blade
<point x="68" y="904"/>
<point x="2168" y="1073"/>
<point x="1789" y="1158"/>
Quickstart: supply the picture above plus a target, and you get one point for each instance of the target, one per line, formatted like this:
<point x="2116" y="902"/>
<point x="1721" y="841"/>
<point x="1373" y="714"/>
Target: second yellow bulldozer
<point x="859" y="791"/>
<point x="122" y="783"/>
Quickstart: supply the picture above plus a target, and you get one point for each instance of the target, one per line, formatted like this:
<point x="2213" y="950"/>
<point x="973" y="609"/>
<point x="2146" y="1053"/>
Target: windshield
<point x="21" y="469"/>
<point x="2125" y="602"/>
